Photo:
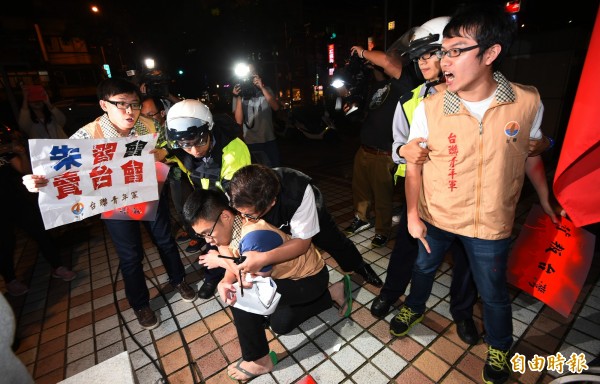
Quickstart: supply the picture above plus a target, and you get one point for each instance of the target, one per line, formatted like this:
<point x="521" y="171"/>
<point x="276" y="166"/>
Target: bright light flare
<point x="241" y="70"/>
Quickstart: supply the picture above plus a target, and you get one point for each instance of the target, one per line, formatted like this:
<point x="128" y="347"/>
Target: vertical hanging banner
<point x="91" y="176"/>
<point x="551" y="261"/>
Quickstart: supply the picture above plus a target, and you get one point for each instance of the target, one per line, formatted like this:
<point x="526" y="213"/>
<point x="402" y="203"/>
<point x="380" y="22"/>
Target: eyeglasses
<point x="454" y="52"/>
<point x="150" y="114"/>
<point x="250" y="217"/>
<point x="204" y="236"/>
<point x="124" y="105"/>
<point x="199" y="142"/>
<point x="426" y="56"/>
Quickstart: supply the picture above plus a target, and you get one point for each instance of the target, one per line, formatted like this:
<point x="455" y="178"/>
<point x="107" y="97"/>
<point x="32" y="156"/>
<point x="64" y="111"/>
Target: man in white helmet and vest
<point x="208" y="154"/>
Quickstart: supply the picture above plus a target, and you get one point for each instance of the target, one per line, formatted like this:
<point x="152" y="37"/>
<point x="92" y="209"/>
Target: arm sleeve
<point x="419" y="124"/>
<point x="400" y="130"/>
<point x="58" y="116"/>
<point x="536" y="132"/>
<point x="25" y="121"/>
<point x="305" y="222"/>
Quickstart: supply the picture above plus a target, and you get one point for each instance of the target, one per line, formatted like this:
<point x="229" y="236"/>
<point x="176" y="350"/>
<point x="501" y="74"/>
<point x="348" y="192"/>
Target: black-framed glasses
<point x="151" y="114"/>
<point x="250" y="217"/>
<point x="454" y="52"/>
<point x="204" y="236"/>
<point x="124" y="105"/>
<point x="199" y="142"/>
<point x="426" y="56"/>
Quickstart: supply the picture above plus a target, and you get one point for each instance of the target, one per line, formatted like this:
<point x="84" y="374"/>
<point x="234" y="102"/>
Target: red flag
<point x="551" y="261"/>
<point x="577" y="178"/>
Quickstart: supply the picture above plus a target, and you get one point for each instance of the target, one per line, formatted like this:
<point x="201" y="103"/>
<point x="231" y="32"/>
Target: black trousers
<point x="300" y="300"/>
<point x="463" y="293"/>
<point x="332" y="240"/>
<point x="23" y="211"/>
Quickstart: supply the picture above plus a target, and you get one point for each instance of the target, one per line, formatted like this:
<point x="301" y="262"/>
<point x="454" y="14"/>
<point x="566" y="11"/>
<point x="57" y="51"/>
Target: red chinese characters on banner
<point x="134" y="171"/>
<point x="551" y="261"/>
<point x="453" y="151"/>
<point x="101" y="177"/>
<point x="67" y="184"/>
<point x="103" y="152"/>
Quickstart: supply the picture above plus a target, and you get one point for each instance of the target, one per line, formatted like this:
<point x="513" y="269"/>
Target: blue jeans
<point x="463" y="293"/>
<point x="127" y="238"/>
<point x="488" y="259"/>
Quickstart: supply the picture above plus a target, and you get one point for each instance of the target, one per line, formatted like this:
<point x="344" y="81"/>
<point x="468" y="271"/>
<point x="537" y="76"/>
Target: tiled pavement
<point x="65" y="328"/>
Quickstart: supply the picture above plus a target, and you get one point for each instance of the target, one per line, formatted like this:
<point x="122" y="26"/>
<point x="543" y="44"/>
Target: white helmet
<point x="427" y="37"/>
<point x="188" y="120"/>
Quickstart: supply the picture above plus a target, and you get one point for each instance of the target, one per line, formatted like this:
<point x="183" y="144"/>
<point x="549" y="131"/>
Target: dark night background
<point x="204" y="38"/>
<point x="289" y="40"/>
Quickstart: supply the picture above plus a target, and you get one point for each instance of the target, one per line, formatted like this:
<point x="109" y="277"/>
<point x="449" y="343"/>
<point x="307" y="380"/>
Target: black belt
<point x="375" y="151"/>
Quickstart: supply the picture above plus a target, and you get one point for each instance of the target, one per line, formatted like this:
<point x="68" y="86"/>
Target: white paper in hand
<point x="262" y="298"/>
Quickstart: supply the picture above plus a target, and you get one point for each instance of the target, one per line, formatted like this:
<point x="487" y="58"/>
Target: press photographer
<point x="156" y="84"/>
<point x="252" y="105"/>
<point x="351" y="85"/>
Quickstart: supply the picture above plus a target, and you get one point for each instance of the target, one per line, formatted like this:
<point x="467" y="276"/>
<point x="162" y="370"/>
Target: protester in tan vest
<point x="479" y="133"/>
<point x="121" y="102"/>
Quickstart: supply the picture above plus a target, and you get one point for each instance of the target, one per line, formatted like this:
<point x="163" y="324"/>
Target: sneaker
<point x="356" y="226"/>
<point x="16" y="288"/>
<point x="193" y="246"/>
<point x="186" y="292"/>
<point x="182" y="237"/>
<point x="147" y="318"/>
<point x="379" y="241"/>
<point x="496" y="369"/>
<point x="64" y="273"/>
<point x="404" y="321"/>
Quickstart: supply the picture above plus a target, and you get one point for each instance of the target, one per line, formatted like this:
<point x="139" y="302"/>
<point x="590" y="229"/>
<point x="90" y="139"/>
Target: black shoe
<point x="381" y="306"/>
<point x="207" y="290"/>
<point x="369" y="275"/>
<point x="404" y="321"/>
<point x="357" y="225"/>
<point x="496" y="369"/>
<point x="467" y="331"/>
<point x="379" y="241"/>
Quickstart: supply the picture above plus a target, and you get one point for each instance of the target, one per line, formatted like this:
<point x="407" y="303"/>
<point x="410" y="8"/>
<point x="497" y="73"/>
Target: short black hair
<point x="115" y="86"/>
<point x="157" y="102"/>
<point x="205" y="204"/>
<point x="486" y="23"/>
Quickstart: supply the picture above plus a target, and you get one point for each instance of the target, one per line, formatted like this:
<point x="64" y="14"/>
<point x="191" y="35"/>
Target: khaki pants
<point x="373" y="188"/>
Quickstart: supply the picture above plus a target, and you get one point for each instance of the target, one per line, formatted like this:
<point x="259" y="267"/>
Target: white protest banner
<point x="141" y="211"/>
<point x="91" y="176"/>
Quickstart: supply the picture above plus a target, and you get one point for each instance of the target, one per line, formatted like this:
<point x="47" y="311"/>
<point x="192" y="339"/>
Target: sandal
<point x="251" y="375"/>
<point x="347" y="296"/>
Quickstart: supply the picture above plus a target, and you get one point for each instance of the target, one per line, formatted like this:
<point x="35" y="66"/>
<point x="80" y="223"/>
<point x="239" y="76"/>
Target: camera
<point x="351" y="83"/>
<point x="157" y="84"/>
<point x="247" y="88"/>
<point x="246" y="84"/>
